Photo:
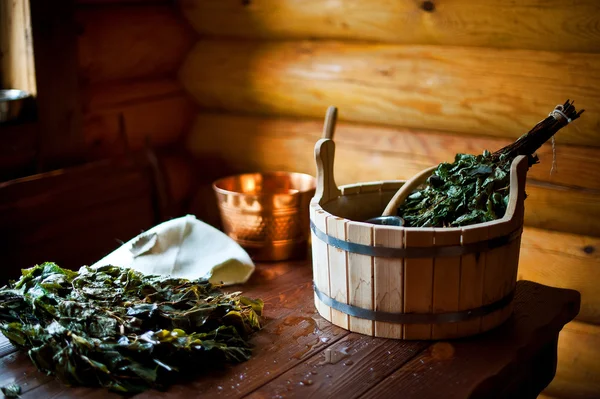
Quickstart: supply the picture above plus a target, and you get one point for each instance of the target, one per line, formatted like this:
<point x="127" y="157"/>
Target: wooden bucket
<point x="409" y="283"/>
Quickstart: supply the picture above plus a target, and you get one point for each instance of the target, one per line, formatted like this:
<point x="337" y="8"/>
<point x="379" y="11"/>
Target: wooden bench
<point x="299" y="354"/>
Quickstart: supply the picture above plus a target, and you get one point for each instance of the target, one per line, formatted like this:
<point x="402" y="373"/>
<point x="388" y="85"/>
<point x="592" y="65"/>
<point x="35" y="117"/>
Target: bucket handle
<point x="326" y="188"/>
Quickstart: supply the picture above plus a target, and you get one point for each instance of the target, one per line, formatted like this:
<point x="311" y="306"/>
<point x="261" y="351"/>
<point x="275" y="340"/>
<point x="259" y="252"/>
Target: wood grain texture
<point x="53" y="32"/>
<point x="153" y="112"/>
<point x="126" y="92"/>
<point x="578" y="370"/>
<point x="252" y="143"/>
<point x="494" y="276"/>
<point x="418" y="282"/>
<point x="481" y="91"/>
<point x="338" y="270"/>
<point x="368" y="152"/>
<point x="505" y="24"/>
<point x="366" y="362"/>
<point x="116" y="199"/>
<point x="321" y="262"/>
<point x="121" y="42"/>
<point x="472" y="271"/>
<point x="361" y="290"/>
<point x="16" y="47"/>
<point x="388" y="275"/>
<point x="446" y="284"/>
<point x="294" y="340"/>
<point x="444" y="363"/>
<point x="566" y="261"/>
<point x="179" y="175"/>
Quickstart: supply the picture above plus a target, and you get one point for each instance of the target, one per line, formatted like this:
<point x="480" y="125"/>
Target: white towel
<point x="184" y="247"/>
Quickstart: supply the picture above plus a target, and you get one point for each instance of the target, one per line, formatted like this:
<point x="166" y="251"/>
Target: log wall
<point x="415" y="83"/>
<point x="129" y="54"/>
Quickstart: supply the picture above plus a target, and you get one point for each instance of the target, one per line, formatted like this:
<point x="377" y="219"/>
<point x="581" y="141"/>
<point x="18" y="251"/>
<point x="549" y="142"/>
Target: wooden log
<point x="179" y="176"/>
<point x="117" y="94"/>
<point x="154" y="110"/>
<point x="578" y="369"/>
<point x="370" y="154"/>
<point x="504" y="24"/>
<point x="565" y="261"/>
<point x="368" y="151"/>
<point x="120" y="42"/>
<point x="481" y="91"/>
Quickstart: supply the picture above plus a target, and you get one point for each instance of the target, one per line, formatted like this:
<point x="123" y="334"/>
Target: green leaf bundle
<point x="120" y="329"/>
<point x="475" y="189"/>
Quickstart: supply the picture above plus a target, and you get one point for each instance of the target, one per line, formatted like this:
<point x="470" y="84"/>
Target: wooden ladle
<point x="330" y="121"/>
<point x="388" y="217"/>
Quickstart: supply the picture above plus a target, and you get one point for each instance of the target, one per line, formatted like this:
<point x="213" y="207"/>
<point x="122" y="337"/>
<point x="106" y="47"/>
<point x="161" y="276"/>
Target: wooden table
<point x="517" y="359"/>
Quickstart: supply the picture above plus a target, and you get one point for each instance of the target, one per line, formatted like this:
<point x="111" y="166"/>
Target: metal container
<point x="11" y="104"/>
<point x="267" y="213"/>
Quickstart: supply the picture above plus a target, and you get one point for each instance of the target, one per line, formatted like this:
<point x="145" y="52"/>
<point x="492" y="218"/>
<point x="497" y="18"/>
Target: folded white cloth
<point x="184" y="247"/>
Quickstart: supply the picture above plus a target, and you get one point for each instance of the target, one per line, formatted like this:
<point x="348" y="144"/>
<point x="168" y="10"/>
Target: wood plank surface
<point x="366" y="361"/>
<point x="446" y="284"/>
<point x="418" y="282"/>
<point x="295" y="341"/>
<point x="565" y="261"/>
<point x="338" y="270"/>
<point x="479" y="91"/>
<point x="506" y="24"/>
<point x="444" y="364"/>
<point x="388" y="276"/>
<point x="270" y="143"/>
<point x="147" y="41"/>
<point x="361" y="290"/>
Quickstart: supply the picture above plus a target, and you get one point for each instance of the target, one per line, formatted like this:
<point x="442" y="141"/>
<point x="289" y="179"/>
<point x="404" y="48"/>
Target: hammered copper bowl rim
<point x="219" y="183"/>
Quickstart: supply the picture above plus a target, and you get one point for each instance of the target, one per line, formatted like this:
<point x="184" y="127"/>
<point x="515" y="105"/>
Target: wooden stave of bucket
<point x="452" y="284"/>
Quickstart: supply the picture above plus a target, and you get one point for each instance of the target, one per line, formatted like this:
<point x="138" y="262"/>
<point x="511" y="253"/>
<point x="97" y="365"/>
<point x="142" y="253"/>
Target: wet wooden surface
<point x="299" y="354"/>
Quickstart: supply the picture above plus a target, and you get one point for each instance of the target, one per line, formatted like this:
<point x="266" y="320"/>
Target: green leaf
<point x="120" y="329"/>
<point x="11" y="390"/>
<point x="461" y="193"/>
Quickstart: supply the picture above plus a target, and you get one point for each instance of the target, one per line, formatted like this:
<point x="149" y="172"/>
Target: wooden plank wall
<point x="415" y="83"/>
<point x="129" y="53"/>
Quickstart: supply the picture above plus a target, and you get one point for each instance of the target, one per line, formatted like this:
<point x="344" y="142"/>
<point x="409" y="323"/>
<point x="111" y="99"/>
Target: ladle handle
<point x="330" y="121"/>
<point x="407" y="188"/>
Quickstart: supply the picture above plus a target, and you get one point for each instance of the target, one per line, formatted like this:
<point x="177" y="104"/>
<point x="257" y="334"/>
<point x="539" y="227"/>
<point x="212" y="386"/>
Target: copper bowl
<point x="267" y="213"/>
